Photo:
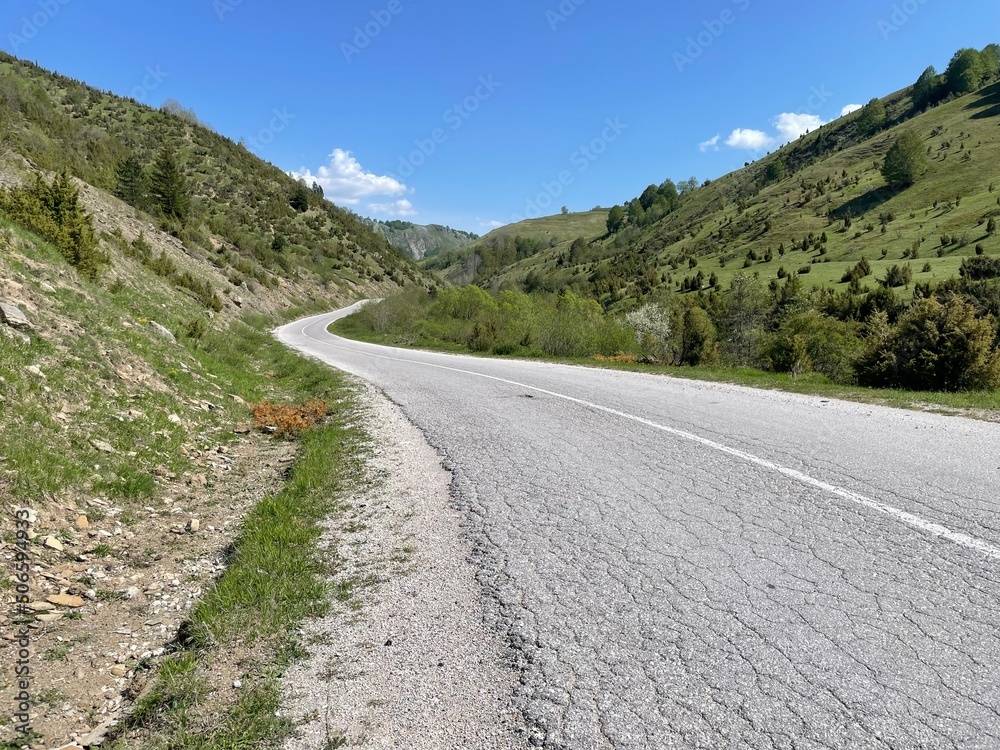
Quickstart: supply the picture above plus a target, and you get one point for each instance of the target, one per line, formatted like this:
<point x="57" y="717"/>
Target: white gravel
<point x="415" y="666"/>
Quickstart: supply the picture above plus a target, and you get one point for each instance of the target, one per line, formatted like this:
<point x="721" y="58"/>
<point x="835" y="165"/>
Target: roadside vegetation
<point x="220" y="687"/>
<point x="944" y="342"/>
<point x="148" y="257"/>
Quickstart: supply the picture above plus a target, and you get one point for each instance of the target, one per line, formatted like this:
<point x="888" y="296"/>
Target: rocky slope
<point x="422" y="241"/>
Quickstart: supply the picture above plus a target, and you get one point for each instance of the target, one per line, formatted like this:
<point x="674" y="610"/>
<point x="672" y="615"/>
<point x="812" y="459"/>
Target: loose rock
<point x="66" y="600"/>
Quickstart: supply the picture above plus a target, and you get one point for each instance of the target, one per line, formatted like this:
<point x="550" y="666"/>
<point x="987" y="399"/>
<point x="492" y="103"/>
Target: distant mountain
<point x="506" y="246"/>
<point x="422" y="241"/>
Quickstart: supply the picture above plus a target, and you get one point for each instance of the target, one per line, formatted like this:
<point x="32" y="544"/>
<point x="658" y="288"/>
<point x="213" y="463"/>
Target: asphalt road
<point x="692" y="565"/>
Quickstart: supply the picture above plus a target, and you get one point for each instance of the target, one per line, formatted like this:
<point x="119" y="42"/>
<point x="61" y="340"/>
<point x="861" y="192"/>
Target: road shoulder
<point x="404" y="658"/>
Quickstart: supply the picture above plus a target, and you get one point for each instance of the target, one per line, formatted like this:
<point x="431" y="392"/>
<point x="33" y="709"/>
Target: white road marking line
<point x="910" y="519"/>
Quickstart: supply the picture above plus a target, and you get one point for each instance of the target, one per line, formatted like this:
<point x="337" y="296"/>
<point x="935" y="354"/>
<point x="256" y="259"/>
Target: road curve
<point x="691" y="565"/>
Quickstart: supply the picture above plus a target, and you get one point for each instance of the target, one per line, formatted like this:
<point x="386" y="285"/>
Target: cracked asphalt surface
<point x="694" y="565"/>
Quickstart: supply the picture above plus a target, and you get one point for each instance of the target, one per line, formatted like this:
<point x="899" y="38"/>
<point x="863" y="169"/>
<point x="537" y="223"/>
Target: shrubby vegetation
<point x="946" y="339"/>
<point x="53" y="211"/>
<point x="199" y="185"/>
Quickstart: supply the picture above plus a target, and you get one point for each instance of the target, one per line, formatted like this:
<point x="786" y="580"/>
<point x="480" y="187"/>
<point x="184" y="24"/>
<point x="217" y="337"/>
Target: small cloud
<point x="791" y="126"/>
<point x="492" y="224"/>
<point x="712" y="144"/>
<point x="850" y="108"/>
<point x="346" y="183"/>
<point x="396" y="208"/>
<point x="754" y="140"/>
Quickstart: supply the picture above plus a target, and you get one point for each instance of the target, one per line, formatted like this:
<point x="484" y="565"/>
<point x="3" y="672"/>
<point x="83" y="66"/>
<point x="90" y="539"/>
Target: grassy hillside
<point x="169" y="520"/>
<point x="866" y="252"/>
<point x="831" y="209"/>
<point x="242" y="218"/>
<point x="490" y="255"/>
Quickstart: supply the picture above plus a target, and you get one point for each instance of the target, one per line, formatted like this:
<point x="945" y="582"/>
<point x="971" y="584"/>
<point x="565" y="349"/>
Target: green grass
<point x="275" y="580"/>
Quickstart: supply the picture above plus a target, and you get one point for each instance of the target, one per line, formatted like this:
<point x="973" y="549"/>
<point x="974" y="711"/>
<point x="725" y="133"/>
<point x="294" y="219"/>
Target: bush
<point x="980" y="268"/>
<point x="933" y="346"/>
<point x="54" y="212"/>
<point x="813" y="342"/>
<point x="897" y="276"/>
<point x="651" y="324"/>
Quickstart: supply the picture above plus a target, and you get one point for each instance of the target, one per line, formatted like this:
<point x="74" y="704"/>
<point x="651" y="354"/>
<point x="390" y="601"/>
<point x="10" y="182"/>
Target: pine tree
<point x="130" y="182"/>
<point x="300" y="197"/>
<point x="168" y="186"/>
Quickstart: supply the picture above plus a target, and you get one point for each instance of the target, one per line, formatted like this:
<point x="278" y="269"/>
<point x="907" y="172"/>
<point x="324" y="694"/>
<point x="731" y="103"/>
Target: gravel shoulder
<point x="404" y="659"/>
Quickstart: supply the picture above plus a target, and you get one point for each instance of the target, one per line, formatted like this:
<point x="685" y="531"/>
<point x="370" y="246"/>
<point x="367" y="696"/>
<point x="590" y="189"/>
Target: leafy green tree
<point x="687" y="186"/>
<point x="776" y="171"/>
<point x="966" y="71"/>
<point x="668" y="191"/>
<point x="648" y="197"/>
<point x="616" y="220"/>
<point x="131" y="184"/>
<point x="744" y="317"/>
<point x="317" y="189"/>
<point x="636" y="213"/>
<point x="897" y="275"/>
<point x="699" y="344"/>
<point x="169" y="187"/>
<point x="812" y="341"/>
<point x="906" y="161"/>
<point x="990" y="57"/>
<point x="927" y="88"/>
<point x="872" y="117"/>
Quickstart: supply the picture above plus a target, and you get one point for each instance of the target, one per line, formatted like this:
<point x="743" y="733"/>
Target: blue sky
<point x="475" y="114"/>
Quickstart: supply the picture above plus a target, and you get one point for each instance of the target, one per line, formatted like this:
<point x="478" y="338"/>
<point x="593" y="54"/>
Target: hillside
<point x="504" y="247"/>
<point x="817" y="215"/>
<point x="866" y="252"/>
<point x="245" y="217"/>
<point x="136" y="366"/>
<point x="422" y="241"/>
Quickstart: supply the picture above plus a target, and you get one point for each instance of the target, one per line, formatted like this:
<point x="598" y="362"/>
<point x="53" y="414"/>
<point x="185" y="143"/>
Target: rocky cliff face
<point x="423" y="241"/>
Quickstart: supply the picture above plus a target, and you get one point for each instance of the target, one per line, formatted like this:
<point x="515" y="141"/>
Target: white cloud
<point x="346" y="183"/>
<point x="712" y="144"/>
<point x="754" y="140"/>
<point x="492" y="224"/>
<point x="396" y="208"/>
<point x="850" y="108"/>
<point x="791" y="126"/>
